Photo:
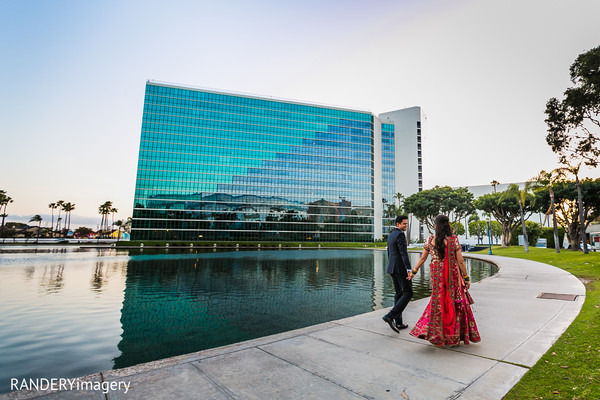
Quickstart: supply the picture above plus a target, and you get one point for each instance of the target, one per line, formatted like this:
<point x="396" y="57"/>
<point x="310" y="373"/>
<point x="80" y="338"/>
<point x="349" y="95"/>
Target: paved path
<point x="362" y="358"/>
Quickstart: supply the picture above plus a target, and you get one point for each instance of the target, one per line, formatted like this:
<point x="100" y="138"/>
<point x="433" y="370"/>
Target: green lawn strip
<point x="571" y="368"/>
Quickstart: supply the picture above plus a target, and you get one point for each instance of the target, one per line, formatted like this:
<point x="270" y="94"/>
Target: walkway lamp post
<point x="489" y="237"/>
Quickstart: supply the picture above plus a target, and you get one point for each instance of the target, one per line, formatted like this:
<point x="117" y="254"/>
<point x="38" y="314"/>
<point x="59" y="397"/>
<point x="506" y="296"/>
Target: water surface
<point x="70" y="312"/>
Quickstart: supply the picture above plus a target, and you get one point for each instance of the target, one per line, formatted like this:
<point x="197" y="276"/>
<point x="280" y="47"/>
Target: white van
<point x="595" y="241"/>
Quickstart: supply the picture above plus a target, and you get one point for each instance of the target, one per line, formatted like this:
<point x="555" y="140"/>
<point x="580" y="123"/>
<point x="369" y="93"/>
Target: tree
<point x="37" y="218"/>
<point x="574" y="123"/>
<point x="400" y="198"/>
<point x="427" y="204"/>
<point x="458" y="228"/>
<point x="113" y="210"/>
<point x="5" y="200"/>
<point x="68" y="208"/>
<point x="82" y="231"/>
<point x="505" y="209"/>
<point x="494" y="183"/>
<point x="477" y="228"/>
<point x="59" y="205"/>
<point x="52" y="207"/>
<point x="496" y="230"/>
<point x="513" y="191"/>
<point x="568" y="211"/>
<point x="104" y="209"/>
<point x="547" y="180"/>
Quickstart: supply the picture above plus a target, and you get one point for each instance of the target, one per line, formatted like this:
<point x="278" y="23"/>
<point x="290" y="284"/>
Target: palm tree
<point x="401" y="211"/>
<point x="119" y="223"/>
<point x="52" y="207"/>
<point x="548" y="180"/>
<point x="494" y="183"/>
<point x="4" y="202"/>
<point x="400" y="198"/>
<point x="113" y="210"/>
<point x="67" y="208"/>
<point x="514" y="192"/>
<point x="37" y="218"/>
<point x="104" y="209"/>
<point x="59" y="205"/>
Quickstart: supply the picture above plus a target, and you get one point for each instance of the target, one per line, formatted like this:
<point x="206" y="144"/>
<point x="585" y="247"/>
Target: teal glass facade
<point x="388" y="172"/>
<point x="220" y="166"/>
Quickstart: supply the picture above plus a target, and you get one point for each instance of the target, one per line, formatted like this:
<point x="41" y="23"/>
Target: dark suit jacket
<point x="399" y="262"/>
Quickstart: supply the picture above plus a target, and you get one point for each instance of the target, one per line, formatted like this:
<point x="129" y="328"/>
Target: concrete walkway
<point x="362" y="358"/>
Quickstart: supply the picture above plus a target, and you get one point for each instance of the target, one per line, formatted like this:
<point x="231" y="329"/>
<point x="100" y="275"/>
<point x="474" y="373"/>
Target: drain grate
<point x="557" y="296"/>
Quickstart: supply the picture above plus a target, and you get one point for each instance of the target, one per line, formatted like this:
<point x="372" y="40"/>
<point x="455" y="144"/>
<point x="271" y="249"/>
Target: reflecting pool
<point x="70" y="312"/>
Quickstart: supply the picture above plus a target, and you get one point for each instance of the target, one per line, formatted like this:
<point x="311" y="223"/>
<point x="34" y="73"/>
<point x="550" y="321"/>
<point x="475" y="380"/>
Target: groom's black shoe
<point x="400" y="326"/>
<point x="390" y="322"/>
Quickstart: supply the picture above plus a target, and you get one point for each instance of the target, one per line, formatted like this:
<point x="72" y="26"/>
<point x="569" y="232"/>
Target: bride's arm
<point x="421" y="261"/>
<point x="463" y="267"/>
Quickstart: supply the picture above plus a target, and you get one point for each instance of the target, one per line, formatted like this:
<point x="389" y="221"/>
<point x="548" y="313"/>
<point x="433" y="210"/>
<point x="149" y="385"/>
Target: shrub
<point x="534" y="231"/>
<point x="548" y="234"/>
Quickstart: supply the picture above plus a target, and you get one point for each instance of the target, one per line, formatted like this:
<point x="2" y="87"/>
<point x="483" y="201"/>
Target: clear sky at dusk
<point x="73" y="76"/>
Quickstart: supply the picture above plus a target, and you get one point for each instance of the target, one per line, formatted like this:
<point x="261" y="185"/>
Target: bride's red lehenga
<point x="448" y="318"/>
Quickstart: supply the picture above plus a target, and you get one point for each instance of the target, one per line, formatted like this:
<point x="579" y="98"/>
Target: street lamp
<point x="489" y="237"/>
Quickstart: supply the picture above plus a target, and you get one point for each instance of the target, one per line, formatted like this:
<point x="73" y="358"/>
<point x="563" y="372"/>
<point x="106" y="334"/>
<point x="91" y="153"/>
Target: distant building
<point x="224" y="166"/>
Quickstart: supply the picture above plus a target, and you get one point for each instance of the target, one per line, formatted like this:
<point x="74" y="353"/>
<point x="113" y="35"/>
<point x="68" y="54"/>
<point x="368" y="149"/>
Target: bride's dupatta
<point x="448" y="310"/>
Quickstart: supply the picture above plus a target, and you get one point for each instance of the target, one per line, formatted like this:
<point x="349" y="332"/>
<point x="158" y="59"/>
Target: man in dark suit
<point x="398" y="268"/>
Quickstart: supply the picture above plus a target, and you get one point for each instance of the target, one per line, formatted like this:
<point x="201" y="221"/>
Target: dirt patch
<point x="585" y="281"/>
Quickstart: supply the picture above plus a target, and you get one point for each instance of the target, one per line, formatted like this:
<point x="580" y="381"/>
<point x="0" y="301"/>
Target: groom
<point x="398" y="268"/>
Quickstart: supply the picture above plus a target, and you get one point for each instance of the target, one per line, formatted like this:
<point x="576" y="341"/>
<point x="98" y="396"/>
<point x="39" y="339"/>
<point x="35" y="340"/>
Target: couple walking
<point x="448" y="317"/>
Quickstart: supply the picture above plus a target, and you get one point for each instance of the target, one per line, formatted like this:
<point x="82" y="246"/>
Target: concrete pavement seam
<point x="102" y="379"/>
<point x="315" y="374"/>
<point x="388" y="360"/>
<point x="214" y="381"/>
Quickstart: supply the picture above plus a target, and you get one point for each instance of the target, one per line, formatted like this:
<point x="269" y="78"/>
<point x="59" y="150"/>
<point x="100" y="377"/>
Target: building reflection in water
<point x="180" y="303"/>
<point x="176" y="304"/>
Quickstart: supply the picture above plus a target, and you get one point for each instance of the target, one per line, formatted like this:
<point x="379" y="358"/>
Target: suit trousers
<point x="404" y="293"/>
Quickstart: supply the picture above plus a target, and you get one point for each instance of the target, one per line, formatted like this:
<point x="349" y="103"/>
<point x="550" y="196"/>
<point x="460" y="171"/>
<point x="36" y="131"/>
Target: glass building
<point x="224" y="166"/>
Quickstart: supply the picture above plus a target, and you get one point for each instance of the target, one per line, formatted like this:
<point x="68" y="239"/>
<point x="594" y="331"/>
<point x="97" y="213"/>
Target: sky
<point x="73" y="76"/>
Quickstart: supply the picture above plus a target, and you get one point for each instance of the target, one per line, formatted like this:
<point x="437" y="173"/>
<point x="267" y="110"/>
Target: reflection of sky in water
<point x="75" y="312"/>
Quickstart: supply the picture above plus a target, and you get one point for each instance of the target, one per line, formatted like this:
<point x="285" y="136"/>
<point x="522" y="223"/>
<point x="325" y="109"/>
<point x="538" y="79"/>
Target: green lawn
<point x="571" y="368"/>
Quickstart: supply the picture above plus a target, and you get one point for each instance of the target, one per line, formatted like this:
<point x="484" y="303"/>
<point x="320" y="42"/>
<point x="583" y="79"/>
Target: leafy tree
<point x="427" y="204"/>
<point x="123" y="225"/>
<point x="495" y="230"/>
<point x="83" y="231"/>
<point x="574" y="122"/>
<point x="478" y="228"/>
<point x="568" y="212"/>
<point x="16" y="225"/>
<point x="505" y="209"/>
<point x="458" y="228"/>
<point x="37" y="218"/>
<point x="513" y="191"/>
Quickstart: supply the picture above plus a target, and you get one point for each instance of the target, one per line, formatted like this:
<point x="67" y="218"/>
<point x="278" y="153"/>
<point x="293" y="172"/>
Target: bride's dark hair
<point x="442" y="230"/>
